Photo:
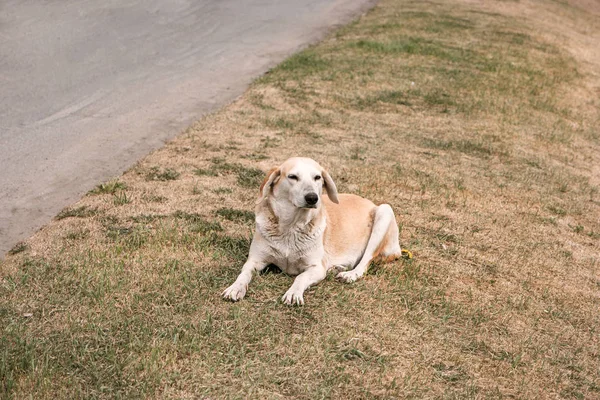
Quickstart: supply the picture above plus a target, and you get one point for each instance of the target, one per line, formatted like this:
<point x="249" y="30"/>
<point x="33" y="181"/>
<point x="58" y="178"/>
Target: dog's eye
<point x="317" y="177"/>
<point x="292" y="177"/>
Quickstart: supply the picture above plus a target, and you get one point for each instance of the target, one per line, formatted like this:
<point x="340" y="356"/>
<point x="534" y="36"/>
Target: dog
<point x="306" y="232"/>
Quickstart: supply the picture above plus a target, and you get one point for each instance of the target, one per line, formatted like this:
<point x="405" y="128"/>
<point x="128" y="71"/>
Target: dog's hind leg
<point x="390" y="249"/>
<point x="382" y="242"/>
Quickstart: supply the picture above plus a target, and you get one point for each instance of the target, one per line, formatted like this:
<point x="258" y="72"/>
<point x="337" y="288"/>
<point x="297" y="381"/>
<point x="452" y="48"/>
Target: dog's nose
<point x="311" y="199"/>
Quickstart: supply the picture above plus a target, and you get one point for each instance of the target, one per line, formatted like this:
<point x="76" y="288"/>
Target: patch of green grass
<point x="255" y="156"/>
<point x="392" y="97"/>
<point x="246" y="177"/>
<point x="258" y="100"/>
<point x="235" y="248"/>
<point x="280" y="123"/>
<point x="414" y="46"/>
<point x="167" y="174"/>
<point x="110" y="187"/>
<point x="438" y="97"/>
<point x="121" y="198"/>
<point x="196" y="190"/>
<point x="235" y="215"/>
<point x="397" y="97"/>
<point x="427" y="182"/>
<point x="270" y="142"/>
<point x="518" y="38"/>
<point x="77" y="235"/>
<point x="148" y="218"/>
<point x="578" y="229"/>
<point x="444" y="23"/>
<point x="594" y="235"/>
<point x="250" y="177"/>
<point x="18" y="248"/>
<point x="223" y="190"/>
<point x="77" y="212"/>
<point x="17" y="357"/>
<point x="152" y="198"/>
<point x="557" y="210"/>
<point x="206" y="172"/>
<point x="300" y="65"/>
<point x="303" y="124"/>
<point x="197" y="223"/>
<point x="130" y="238"/>
<point x="514" y="359"/>
<point x="358" y="153"/>
<point x="534" y="163"/>
<point x="479" y="149"/>
<point x="449" y="373"/>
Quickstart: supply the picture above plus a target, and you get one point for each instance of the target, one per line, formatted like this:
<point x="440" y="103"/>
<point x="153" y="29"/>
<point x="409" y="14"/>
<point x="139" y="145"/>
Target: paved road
<point x="89" y="87"/>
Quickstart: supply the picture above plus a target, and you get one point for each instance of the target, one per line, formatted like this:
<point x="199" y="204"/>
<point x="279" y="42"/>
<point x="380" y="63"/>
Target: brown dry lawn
<point x="477" y="121"/>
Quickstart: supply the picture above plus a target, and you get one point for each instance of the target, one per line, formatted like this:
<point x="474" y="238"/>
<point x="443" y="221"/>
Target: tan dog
<point x="306" y="233"/>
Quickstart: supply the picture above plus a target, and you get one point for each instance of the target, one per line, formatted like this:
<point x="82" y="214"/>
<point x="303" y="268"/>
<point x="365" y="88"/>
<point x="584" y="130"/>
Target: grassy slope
<point x="476" y="124"/>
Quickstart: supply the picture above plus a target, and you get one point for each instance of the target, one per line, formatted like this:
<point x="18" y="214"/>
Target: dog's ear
<point x="330" y="187"/>
<point x="271" y="178"/>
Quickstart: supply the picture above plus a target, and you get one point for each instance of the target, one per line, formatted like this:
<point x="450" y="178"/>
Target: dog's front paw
<point x="293" y="296"/>
<point x="348" y="276"/>
<point x="235" y="292"/>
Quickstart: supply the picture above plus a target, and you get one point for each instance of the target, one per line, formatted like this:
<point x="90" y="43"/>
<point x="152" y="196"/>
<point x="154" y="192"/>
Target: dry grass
<point x="479" y="124"/>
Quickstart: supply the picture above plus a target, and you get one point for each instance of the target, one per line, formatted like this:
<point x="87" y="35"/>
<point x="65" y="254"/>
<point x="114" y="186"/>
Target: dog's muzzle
<point x="311" y="200"/>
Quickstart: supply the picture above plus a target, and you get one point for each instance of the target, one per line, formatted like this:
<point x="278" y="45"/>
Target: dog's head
<point x="299" y="181"/>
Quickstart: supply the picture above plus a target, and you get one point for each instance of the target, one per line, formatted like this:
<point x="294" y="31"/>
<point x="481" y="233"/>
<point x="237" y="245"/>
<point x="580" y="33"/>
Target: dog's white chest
<point x="291" y="258"/>
<point x="296" y="249"/>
